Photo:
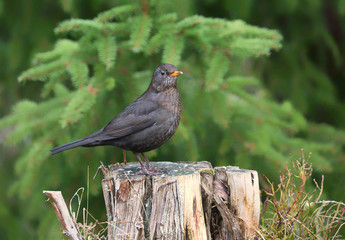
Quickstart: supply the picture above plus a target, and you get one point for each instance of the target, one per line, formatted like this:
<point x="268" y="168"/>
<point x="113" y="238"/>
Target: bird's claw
<point x="147" y="172"/>
<point x="152" y="171"/>
<point x="155" y="170"/>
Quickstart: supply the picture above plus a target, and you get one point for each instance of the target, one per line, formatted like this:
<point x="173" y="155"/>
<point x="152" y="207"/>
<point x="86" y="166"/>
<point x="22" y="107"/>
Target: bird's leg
<point x="143" y="168"/>
<point x="124" y="156"/>
<point x="147" y="161"/>
<point x="149" y="166"/>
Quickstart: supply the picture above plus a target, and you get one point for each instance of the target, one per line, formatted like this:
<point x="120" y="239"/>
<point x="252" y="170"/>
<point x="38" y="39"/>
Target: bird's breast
<point x="170" y="100"/>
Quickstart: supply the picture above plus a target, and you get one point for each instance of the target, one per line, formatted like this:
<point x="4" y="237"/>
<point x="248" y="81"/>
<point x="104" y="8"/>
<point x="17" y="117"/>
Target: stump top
<point x="169" y="168"/>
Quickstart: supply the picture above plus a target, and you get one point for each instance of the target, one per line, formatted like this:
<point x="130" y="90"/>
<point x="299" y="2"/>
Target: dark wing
<point x="135" y="118"/>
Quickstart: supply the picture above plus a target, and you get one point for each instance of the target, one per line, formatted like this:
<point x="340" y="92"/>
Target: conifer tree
<point x="101" y="64"/>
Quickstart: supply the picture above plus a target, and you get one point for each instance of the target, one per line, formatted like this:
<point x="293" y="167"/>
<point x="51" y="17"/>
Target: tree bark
<point x="189" y="201"/>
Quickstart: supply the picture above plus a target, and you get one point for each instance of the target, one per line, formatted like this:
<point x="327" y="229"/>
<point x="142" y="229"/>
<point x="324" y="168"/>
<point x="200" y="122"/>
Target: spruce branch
<point x="79" y="73"/>
<point x="155" y="42"/>
<point x="106" y="47"/>
<point x="42" y="71"/>
<point x="62" y="47"/>
<point x="218" y="67"/>
<point x="118" y="29"/>
<point x="81" y="102"/>
<point x="116" y="13"/>
<point x="140" y="31"/>
<point x="244" y="48"/>
<point x="77" y="25"/>
<point x="167" y="19"/>
<point x="173" y="47"/>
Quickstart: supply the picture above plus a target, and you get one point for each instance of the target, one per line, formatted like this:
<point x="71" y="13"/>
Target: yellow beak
<point x="176" y="73"/>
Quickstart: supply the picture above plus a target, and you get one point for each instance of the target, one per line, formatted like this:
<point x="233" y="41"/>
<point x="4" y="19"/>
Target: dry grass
<point x="292" y="211"/>
<point x="93" y="229"/>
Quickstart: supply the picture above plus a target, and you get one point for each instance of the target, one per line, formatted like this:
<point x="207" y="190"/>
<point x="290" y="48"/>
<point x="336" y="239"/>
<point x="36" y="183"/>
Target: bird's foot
<point x="148" y="169"/>
<point x="152" y="171"/>
<point x="148" y="172"/>
<point x="155" y="170"/>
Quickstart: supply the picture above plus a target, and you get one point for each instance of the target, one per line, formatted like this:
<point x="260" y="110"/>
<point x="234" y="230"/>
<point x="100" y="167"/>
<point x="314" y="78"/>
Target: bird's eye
<point x="162" y="73"/>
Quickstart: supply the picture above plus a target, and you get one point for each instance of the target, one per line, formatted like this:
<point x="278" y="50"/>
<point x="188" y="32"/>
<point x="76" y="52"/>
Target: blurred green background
<point x="305" y="76"/>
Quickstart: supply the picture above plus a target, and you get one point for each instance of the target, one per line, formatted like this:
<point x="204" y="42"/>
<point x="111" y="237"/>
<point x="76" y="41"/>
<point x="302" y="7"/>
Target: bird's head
<point x="164" y="77"/>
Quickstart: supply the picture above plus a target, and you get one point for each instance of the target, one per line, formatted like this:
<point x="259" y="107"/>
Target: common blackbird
<point x="144" y="125"/>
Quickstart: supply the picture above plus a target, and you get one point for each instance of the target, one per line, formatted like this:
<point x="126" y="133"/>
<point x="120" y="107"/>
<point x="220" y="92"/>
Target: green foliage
<point x="81" y="102"/>
<point x="218" y="67"/>
<point x="173" y="47"/>
<point x="140" y="31"/>
<point x="103" y="59"/>
<point x="106" y="48"/>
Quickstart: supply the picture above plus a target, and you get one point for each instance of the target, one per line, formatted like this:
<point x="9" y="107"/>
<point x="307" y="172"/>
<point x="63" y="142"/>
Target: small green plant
<point x="293" y="211"/>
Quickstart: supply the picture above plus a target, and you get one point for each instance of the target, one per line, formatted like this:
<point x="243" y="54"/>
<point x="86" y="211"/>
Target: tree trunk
<point x="189" y="201"/>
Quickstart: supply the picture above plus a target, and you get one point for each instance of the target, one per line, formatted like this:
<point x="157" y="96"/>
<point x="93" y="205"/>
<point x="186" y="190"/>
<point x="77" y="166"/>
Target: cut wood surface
<point x="190" y="200"/>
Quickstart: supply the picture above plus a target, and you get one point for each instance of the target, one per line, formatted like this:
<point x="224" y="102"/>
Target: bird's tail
<point x="78" y="143"/>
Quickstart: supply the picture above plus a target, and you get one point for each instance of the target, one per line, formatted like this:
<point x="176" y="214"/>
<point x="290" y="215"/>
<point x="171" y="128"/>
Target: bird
<point x="144" y="125"/>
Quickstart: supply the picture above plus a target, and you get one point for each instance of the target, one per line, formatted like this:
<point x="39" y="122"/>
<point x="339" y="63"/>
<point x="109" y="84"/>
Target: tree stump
<point x="191" y="200"/>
